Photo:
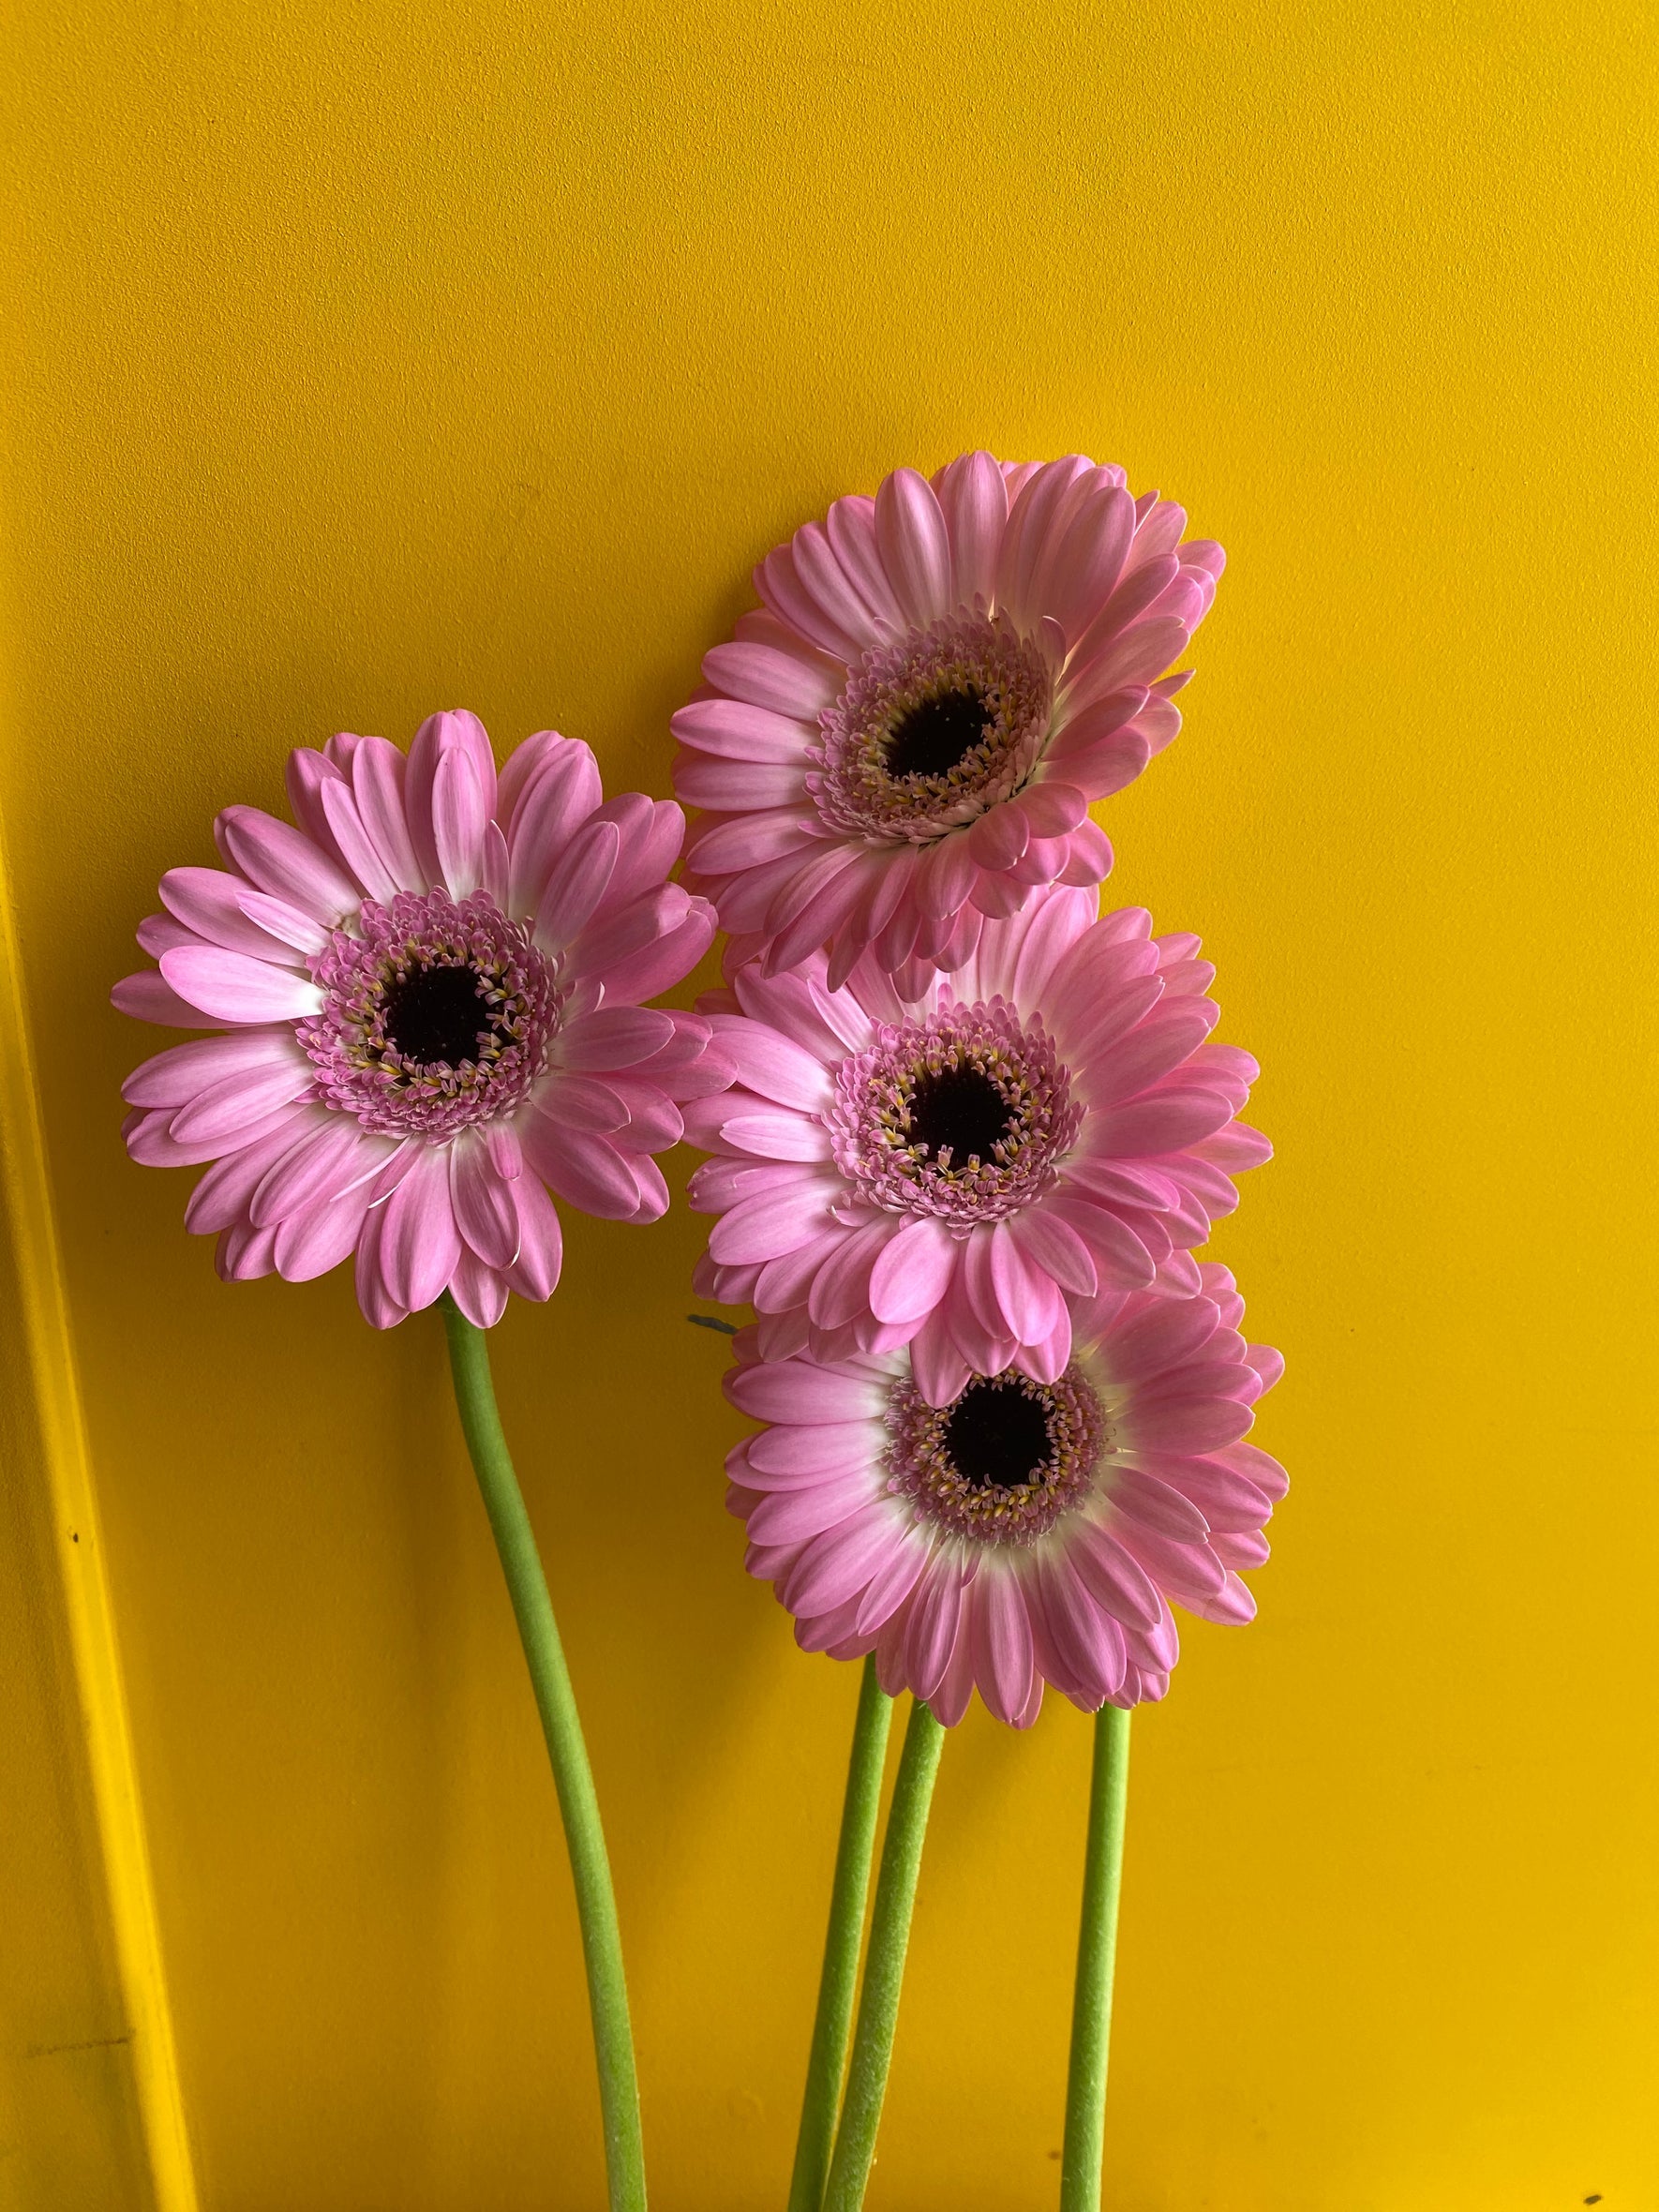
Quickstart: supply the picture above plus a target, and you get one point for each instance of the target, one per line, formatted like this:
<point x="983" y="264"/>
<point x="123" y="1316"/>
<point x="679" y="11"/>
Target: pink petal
<point x="148" y="998"/>
<point x="836" y="891"/>
<point x="1167" y="1035"/>
<point x="850" y="526"/>
<point x="1090" y="1641"/>
<point x="915" y="546"/>
<point x="332" y="1155"/>
<point x="318" y="1237"/>
<point x="821" y="576"/>
<point x="738" y="786"/>
<point x="780" y="588"/>
<point x="998" y="837"/>
<point x="1121" y="1261"/>
<point x="241" y="1100"/>
<point x="458" y="817"/>
<point x="778" y="1221"/>
<point x="576" y="884"/>
<point x="420" y="1243"/>
<point x="1154" y="1505"/>
<point x="1235" y="1148"/>
<point x="777" y="1136"/>
<point x="380" y="1309"/>
<point x="304" y="776"/>
<point x="937" y="1367"/>
<point x="623" y="931"/>
<point x="586" y="1171"/>
<point x="788" y="683"/>
<point x="378" y="773"/>
<point x="751" y="841"/>
<point x="479" y="1292"/>
<point x="1191" y="1423"/>
<point x="357" y="848"/>
<point x="148" y="1136"/>
<point x="208" y="900"/>
<point x="1111" y="1578"/>
<point x="800" y="1391"/>
<point x="1089" y="559"/>
<point x="1162" y="1122"/>
<point x="1166" y="1336"/>
<point x="485" y="1211"/>
<point x="541" y="1241"/>
<point x="1027" y="1300"/>
<point x="1002" y="1643"/>
<point x="614" y="1037"/>
<point x="947" y="876"/>
<point x="931" y="1633"/>
<point x="1229" y="1502"/>
<point x="277" y="857"/>
<point x="557" y="799"/>
<point x="784" y="1457"/>
<point x="838" y="1565"/>
<point x="1050" y="808"/>
<point x="181" y="1073"/>
<point x="840" y="1291"/>
<point x="973" y="500"/>
<point x="1144" y="651"/>
<point x="438" y="737"/>
<point x="731" y="730"/>
<point x="232" y="988"/>
<point x="1189" y="1573"/>
<point x="223" y="1194"/>
<point x="892" y="1581"/>
<point x="1044" y="506"/>
<point x="1091" y="855"/>
<point x="792" y="1516"/>
<point x="913" y="1272"/>
<point x="1052" y="1243"/>
<point x="244" y="1253"/>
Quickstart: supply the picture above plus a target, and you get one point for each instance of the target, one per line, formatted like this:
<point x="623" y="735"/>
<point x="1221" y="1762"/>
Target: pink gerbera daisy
<point x="429" y="1004"/>
<point x="1047" y="1122"/>
<point x="1023" y="1531"/>
<point x="908" y="739"/>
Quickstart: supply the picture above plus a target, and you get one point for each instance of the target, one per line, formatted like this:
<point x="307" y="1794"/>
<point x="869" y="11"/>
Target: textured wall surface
<point x="375" y="359"/>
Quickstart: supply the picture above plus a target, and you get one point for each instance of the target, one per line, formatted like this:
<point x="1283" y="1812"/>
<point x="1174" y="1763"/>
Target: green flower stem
<point x="826" y="2063"/>
<point x="884" y="1969"/>
<point x="596" y="1905"/>
<point x="1096" y="1954"/>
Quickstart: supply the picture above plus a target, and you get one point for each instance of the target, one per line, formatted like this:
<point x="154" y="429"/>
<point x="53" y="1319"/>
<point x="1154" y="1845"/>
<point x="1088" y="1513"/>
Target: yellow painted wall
<point x="381" y="357"/>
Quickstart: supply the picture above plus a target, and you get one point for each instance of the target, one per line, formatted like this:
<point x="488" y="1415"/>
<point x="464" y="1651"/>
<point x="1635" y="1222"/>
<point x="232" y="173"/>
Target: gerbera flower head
<point x="1023" y="1531"/>
<point x="1049" y="1121"/>
<point x="906" y="740"/>
<point x="426" y="1007"/>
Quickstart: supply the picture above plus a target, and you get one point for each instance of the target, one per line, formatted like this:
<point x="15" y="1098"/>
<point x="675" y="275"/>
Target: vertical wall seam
<point x="77" y="1549"/>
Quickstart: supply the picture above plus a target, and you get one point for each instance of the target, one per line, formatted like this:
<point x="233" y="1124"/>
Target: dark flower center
<point x="435" y="1016"/>
<point x="997" y="1435"/>
<point x="960" y="1110"/>
<point x="932" y="736"/>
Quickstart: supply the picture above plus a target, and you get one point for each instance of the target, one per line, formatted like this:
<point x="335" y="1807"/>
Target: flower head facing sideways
<point x="956" y="1174"/>
<point x="427" y="1000"/>
<point x="1021" y="1533"/>
<point x="905" y="741"/>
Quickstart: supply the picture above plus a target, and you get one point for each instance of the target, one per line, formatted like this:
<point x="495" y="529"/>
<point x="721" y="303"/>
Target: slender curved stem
<point x="596" y="1905"/>
<point x="884" y="1969"/>
<point x="1097" y="1955"/>
<point x="826" y="2063"/>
